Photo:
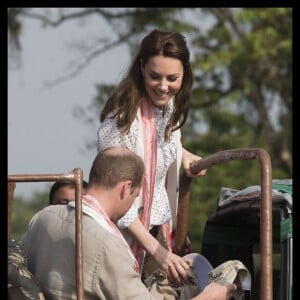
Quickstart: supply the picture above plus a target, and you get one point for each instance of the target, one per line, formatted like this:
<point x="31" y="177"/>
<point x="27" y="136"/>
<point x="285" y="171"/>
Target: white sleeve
<point x="130" y="216"/>
<point x="108" y="135"/>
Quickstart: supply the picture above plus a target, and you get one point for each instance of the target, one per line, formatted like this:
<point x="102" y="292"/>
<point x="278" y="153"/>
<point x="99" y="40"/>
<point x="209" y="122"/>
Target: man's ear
<point x="126" y="189"/>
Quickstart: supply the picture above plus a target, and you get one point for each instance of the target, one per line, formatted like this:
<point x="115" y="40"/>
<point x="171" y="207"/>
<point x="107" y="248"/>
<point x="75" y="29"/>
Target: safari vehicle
<point x="253" y="225"/>
<point x="232" y="232"/>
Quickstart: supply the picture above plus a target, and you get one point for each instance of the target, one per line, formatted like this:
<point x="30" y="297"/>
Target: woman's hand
<point x="187" y="159"/>
<point x="173" y="265"/>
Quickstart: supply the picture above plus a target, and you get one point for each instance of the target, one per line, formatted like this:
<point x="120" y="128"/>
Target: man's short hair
<point x="114" y="165"/>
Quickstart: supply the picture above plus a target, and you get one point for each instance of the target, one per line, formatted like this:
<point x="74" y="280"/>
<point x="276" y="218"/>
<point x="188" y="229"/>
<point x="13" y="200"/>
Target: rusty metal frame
<point x="75" y="176"/>
<point x="266" y="230"/>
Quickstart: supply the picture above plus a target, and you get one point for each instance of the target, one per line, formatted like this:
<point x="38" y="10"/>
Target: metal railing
<point x="266" y="234"/>
<point x="75" y="176"/>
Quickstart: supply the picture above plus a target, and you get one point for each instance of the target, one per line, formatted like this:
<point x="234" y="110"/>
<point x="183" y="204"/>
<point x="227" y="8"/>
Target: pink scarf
<point x="150" y="159"/>
<point x="94" y="204"/>
<point x="150" y="156"/>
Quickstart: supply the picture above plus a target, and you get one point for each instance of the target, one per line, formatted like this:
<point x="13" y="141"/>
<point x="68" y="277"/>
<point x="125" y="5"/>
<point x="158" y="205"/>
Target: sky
<point x="43" y="135"/>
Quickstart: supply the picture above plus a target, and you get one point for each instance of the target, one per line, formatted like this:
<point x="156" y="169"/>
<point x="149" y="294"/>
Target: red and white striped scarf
<point x="92" y="203"/>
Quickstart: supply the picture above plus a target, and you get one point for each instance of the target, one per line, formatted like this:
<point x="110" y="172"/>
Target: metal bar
<point x="266" y="230"/>
<point x="182" y="214"/>
<point x="10" y="196"/>
<point x="76" y="177"/>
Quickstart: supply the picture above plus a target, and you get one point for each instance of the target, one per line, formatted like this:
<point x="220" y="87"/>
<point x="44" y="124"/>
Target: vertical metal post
<point x="76" y="177"/>
<point x="266" y="212"/>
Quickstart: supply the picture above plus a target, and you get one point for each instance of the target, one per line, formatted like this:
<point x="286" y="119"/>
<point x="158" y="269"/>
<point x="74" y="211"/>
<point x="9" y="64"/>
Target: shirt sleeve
<point x="129" y="217"/>
<point x="109" y="135"/>
<point x="119" y="280"/>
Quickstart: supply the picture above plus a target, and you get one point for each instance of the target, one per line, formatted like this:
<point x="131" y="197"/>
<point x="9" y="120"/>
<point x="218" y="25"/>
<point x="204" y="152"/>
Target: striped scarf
<point x="91" y="207"/>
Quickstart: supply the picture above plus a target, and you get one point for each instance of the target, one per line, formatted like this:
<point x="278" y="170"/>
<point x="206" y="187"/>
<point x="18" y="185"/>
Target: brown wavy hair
<point x="126" y="99"/>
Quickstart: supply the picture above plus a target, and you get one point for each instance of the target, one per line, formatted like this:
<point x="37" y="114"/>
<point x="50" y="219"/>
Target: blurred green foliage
<point x="23" y="210"/>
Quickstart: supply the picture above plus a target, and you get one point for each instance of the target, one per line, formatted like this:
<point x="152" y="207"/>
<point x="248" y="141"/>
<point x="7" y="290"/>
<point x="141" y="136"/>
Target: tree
<point x="246" y="73"/>
<point x="23" y="210"/>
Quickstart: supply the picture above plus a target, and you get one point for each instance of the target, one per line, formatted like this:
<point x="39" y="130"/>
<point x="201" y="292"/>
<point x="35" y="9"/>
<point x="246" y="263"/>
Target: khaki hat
<point x="232" y="271"/>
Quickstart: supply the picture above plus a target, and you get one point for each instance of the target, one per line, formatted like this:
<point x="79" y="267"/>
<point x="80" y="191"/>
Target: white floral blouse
<point x="109" y="135"/>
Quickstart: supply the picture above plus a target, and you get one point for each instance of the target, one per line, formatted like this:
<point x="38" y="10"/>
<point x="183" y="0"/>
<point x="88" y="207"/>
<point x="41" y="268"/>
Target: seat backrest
<point x="75" y="176"/>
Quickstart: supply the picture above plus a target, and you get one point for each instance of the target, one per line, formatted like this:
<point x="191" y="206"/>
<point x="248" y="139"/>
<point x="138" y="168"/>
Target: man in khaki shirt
<point x="110" y="269"/>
